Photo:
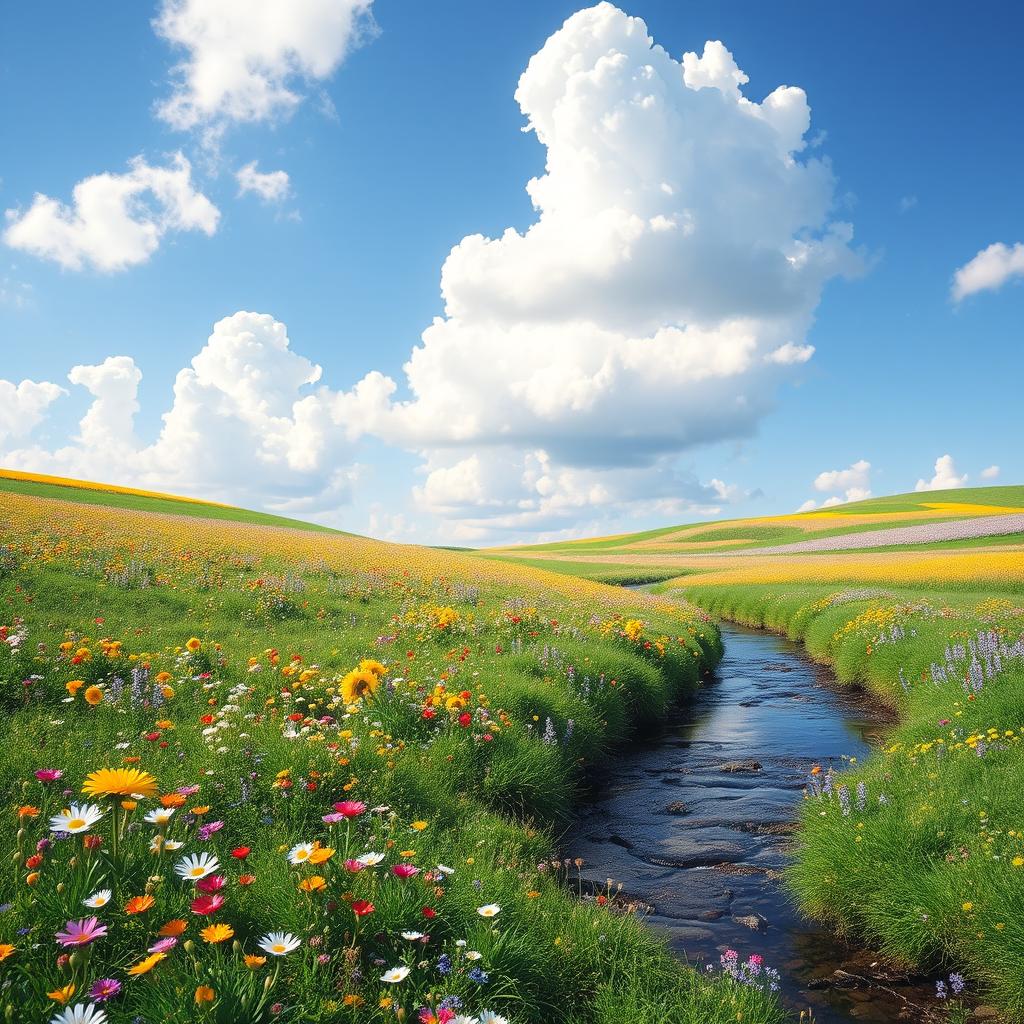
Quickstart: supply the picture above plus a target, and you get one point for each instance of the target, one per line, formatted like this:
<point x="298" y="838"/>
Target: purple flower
<point x="207" y="830"/>
<point x="81" y="933"/>
<point x="104" y="989"/>
<point x="164" y="945"/>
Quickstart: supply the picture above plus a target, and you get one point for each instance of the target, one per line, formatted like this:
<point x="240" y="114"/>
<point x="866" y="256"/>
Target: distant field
<point x="87" y="493"/>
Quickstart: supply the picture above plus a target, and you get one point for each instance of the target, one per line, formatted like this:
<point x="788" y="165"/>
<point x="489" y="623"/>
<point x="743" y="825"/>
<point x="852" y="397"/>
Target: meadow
<point x="918" y="852"/>
<point x="255" y="773"/>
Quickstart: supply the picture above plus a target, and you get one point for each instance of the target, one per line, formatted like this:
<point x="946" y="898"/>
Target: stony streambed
<point x="698" y="826"/>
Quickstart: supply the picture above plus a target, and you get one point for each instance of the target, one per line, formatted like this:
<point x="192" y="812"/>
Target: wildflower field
<point x="254" y="773"/>
<point x="919" y="852"/>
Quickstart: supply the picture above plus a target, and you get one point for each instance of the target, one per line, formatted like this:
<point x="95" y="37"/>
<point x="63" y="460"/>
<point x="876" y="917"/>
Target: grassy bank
<point x="365" y="747"/>
<point x="920" y="850"/>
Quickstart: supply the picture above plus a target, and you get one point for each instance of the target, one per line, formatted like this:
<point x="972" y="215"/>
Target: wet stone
<point x="748" y="764"/>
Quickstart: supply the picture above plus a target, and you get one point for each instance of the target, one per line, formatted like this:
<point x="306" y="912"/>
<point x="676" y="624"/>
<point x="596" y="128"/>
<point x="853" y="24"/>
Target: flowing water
<point x="698" y="827"/>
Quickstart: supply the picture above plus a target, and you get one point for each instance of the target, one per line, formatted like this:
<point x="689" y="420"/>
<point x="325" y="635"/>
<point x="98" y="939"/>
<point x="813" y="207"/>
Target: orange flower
<point x="315" y="883"/>
<point x="321" y="854"/>
<point x="94" y="696"/>
<point x="129" y="805"/>
<point x="252" y="962"/>
<point x="194" y="644"/>
<point x="139" y="904"/>
<point x="32" y="878"/>
<point x="6" y="950"/>
<point x="204" y="809"/>
<point x="62" y="995"/>
<point x="172" y="800"/>
<point x="28" y="811"/>
<point x="74" y="686"/>
<point x="173" y="928"/>
<point x="215" y="933"/>
<point x="145" y="966"/>
<point x="205" y="994"/>
<point x="164" y="677"/>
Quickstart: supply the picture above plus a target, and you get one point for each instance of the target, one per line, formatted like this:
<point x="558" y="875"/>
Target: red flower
<point x="465" y="720"/>
<point x="34" y="861"/>
<point x="350" y="808"/>
<point x="295" y="716"/>
<point x="246" y="879"/>
<point x="241" y="852"/>
<point x="310" y="787"/>
<point x="362" y="907"/>
<point x="207" y="904"/>
<point x="211" y="883"/>
<point x="429" y="712"/>
<point x="151" y="736"/>
<point x="429" y="912"/>
<point x="206" y="719"/>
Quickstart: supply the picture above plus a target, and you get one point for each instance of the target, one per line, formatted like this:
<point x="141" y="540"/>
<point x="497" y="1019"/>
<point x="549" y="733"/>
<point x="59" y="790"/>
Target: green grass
<point x="488" y="795"/>
<point x="145" y="503"/>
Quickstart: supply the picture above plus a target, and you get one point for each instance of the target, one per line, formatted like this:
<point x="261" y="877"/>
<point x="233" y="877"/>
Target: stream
<point x="697" y="826"/>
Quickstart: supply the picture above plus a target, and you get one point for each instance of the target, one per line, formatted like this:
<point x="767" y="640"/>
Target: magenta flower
<point x="207" y="904"/>
<point x="104" y="989"/>
<point x="350" y="808"/>
<point x="211" y="883"/>
<point x="405" y="870"/>
<point x="164" y="945"/>
<point x="187" y="790"/>
<point x="354" y="865"/>
<point x="207" y="830"/>
<point x="48" y="774"/>
<point x="333" y="818"/>
<point x="81" y="933"/>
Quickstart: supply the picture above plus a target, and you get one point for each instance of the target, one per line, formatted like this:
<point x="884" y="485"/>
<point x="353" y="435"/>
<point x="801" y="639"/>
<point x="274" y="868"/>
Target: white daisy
<point x="489" y="910"/>
<point x="395" y="975"/>
<point x="279" y="943"/>
<point x="100" y="898"/>
<point x="80" y="818"/>
<point x="490" y="1017"/>
<point x="80" y="1013"/>
<point x="370" y="860"/>
<point x="300" y="854"/>
<point x="197" y="866"/>
<point x="472" y="954"/>
<point x="159" y="816"/>
<point x="173" y="844"/>
<point x="445" y="870"/>
<point x="412" y="936"/>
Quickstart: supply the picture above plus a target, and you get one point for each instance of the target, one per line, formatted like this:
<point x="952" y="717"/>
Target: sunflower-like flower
<point x="119" y="782"/>
<point x="359" y="683"/>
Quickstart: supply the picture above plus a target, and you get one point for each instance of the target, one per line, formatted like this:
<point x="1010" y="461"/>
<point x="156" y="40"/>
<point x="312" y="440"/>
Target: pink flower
<point x="333" y="818"/>
<point x="164" y="945"/>
<point x="207" y="830"/>
<point x="350" y="808"/>
<point x="187" y="790"/>
<point x="405" y="870"/>
<point x="81" y="933"/>
<point x="354" y="865"/>
<point x="211" y="883"/>
<point x="207" y="904"/>
<point x="48" y="774"/>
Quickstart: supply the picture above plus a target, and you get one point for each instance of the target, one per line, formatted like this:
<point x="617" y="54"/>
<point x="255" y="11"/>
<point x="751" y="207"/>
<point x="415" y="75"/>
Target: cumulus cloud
<point x="249" y="423"/>
<point x="270" y="186"/>
<point x="23" y="406"/>
<point x="855" y="477"/>
<point x="945" y="476"/>
<point x="114" y="220"/>
<point x="989" y="270"/>
<point x="990" y="473"/>
<point x="681" y="243"/>
<point x="252" y="60"/>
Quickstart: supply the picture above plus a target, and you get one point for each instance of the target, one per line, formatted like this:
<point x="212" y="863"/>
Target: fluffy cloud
<point x="248" y="424"/>
<point x="249" y="60"/>
<point x="23" y="406"/>
<point x="271" y="187"/>
<point x="989" y="270"/>
<point x="945" y="476"/>
<point x="854" y="482"/>
<point x="680" y="247"/>
<point x="990" y="473"/>
<point x="115" y="220"/>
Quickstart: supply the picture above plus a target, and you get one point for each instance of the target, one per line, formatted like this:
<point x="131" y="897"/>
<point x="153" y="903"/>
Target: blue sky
<point x="412" y="142"/>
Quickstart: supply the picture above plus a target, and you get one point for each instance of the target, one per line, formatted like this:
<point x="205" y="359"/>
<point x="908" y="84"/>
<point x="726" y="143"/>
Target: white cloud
<point x="681" y="244"/>
<point x="990" y="473"/>
<point x="989" y="270"/>
<point x="808" y="505"/>
<point x="271" y="187"/>
<point x="252" y="60"/>
<point x="115" y="220"/>
<point x="854" y="478"/>
<point x="945" y="476"/>
<point x="790" y="354"/>
<point x="23" y="406"/>
<point x="247" y="424"/>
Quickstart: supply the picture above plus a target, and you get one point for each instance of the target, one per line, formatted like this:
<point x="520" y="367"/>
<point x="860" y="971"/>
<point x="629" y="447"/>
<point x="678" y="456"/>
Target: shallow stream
<point x="698" y="827"/>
